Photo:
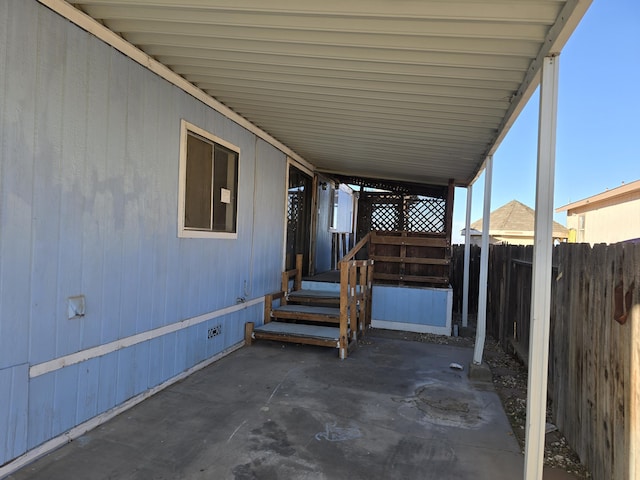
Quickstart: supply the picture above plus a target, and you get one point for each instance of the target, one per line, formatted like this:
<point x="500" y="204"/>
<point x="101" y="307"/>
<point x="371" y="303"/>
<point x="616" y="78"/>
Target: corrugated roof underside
<point x="392" y="89"/>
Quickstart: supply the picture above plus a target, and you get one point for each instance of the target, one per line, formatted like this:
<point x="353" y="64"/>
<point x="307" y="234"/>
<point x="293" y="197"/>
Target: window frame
<point x="185" y="232"/>
<point x="582" y="228"/>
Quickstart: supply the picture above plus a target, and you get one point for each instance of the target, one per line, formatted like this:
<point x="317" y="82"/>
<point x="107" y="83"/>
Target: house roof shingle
<point x="515" y="218"/>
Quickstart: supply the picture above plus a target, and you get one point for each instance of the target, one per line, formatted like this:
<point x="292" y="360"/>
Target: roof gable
<point x="516" y="219"/>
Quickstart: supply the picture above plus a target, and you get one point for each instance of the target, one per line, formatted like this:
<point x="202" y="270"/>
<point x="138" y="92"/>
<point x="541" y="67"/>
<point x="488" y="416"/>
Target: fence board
<point x="456" y="277"/>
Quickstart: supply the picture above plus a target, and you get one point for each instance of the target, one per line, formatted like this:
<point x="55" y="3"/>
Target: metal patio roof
<point x="419" y="90"/>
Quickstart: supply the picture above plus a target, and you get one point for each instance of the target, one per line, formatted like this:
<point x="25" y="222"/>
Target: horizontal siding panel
<point x="13" y="411"/>
<point x="87" y="390"/>
<point x="41" y="410"/>
<point x="420" y="306"/>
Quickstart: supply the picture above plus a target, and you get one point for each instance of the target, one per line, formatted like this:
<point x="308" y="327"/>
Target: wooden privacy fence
<point x="594" y="358"/>
<point x="457" y="276"/>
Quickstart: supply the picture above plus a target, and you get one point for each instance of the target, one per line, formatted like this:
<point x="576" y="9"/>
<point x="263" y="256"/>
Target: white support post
<point x="541" y="280"/>
<point x="481" y="325"/>
<point x="467" y="253"/>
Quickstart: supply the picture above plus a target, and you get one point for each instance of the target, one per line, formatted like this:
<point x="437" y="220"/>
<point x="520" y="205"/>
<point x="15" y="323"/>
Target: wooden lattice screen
<point x="411" y="231"/>
<point x="391" y="212"/>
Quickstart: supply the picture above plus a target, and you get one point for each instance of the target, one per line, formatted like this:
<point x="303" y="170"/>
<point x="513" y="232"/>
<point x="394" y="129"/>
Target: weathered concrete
<point x="393" y="410"/>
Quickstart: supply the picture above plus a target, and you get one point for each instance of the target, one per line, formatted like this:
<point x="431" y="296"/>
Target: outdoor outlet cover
<point x="75" y="306"/>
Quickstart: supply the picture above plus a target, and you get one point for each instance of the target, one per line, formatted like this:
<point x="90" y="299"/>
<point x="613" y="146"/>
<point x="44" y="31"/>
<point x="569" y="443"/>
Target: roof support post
<point x="481" y="326"/>
<point x="467" y="254"/>
<point x="541" y="280"/>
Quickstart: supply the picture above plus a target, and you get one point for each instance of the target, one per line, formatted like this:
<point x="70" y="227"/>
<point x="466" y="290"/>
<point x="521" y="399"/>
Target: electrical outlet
<point x="214" y="332"/>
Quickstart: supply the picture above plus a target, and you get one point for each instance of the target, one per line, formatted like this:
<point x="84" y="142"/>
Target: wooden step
<point x="299" y="333"/>
<point x="314" y="297"/>
<point x="307" y="312"/>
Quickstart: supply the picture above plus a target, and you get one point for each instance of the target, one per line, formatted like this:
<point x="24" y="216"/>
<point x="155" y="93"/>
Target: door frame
<point x="304" y="169"/>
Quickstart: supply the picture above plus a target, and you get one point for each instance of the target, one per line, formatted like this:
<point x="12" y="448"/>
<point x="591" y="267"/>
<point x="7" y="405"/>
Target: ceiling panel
<point x="404" y="90"/>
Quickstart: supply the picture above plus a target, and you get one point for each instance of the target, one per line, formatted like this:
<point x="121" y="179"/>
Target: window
<point x="581" y="228"/>
<point x="208" y="185"/>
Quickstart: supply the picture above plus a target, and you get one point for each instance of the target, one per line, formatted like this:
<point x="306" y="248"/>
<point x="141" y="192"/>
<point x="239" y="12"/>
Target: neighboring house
<point x="513" y="223"/>
<point x="608" y="217"/>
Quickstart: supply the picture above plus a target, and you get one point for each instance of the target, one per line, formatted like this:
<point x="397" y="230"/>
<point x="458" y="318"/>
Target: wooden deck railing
<point x="357" y="247"/>
<point x="405" y="258"/>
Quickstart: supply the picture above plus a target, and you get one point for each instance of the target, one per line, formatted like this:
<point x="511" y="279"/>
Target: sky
<point x="598" y="125"/>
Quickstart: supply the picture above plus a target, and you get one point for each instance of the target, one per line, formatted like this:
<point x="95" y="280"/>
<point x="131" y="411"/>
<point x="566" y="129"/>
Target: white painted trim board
<point x="100" y="350"/>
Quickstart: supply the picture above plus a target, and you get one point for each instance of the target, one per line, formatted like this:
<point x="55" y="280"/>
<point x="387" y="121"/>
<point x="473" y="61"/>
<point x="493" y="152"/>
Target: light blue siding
<point x="419" y="306"/>
<point x="17" y="27"/>
<point x="14" y="382"/>
<point x="87" y="391"/>
<point x="424" y="307"/>
<point x="41" y="409"/>
<point x="89" y="160"/>
<point x="65" y="399"/>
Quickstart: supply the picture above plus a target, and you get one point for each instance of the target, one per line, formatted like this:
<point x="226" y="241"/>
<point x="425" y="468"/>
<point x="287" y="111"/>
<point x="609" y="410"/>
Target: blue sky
<point x="598" y="136"/>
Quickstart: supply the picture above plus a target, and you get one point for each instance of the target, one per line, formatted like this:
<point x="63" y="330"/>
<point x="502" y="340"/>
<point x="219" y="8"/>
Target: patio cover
<point x="405" y="90"/>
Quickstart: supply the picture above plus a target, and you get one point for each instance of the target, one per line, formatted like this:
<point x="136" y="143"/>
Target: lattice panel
<point x="385" y="215"/>
<point x="425" y="214"/>
<point x="410" y="213"/>
<point x="294" y="207"/>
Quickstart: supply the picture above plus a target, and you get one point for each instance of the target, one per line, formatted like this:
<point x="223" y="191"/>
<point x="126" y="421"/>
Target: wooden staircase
<point x="318" y="317"/>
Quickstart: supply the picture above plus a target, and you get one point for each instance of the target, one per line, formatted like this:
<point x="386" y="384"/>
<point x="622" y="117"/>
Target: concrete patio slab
<point x="393" y="410"/>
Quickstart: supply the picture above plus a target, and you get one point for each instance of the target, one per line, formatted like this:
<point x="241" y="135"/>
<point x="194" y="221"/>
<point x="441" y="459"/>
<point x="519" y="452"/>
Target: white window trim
<point x="185" y="128"/>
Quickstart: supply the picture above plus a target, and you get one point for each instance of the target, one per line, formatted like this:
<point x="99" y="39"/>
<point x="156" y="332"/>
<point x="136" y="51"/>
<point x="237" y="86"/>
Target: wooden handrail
<point x="439" y="241"/>
<point x="358" y="246"/>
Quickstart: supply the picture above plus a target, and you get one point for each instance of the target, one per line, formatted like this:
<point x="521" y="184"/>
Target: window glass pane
<point x="225" y="186"/>
<point x="197" y="212"/>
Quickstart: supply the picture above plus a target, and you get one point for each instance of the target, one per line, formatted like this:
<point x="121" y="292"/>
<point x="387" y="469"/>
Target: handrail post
<point x="353" y="313"/>
<point x="297" y="282"/>
<point x="344" y="286"/>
